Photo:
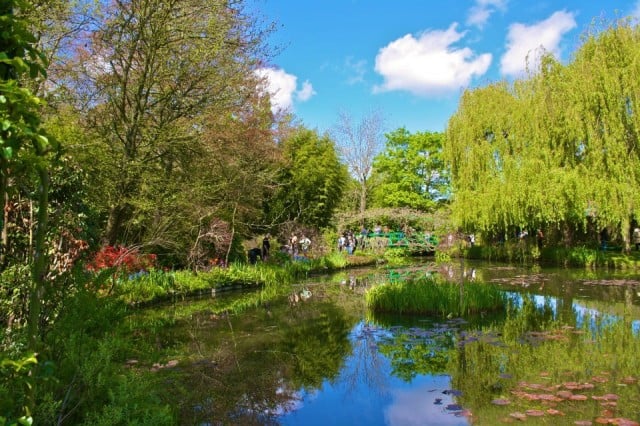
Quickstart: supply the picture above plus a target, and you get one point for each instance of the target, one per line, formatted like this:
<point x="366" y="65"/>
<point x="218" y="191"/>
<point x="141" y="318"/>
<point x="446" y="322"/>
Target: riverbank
<point x="576" y="257"/>
<point x="158" y="286"/>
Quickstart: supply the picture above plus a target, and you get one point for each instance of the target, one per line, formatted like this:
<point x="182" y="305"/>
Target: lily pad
<point x="534" y="413"/>
<point x="565" y="394"/>
<point x="579" y="397"/>
<point x="518" y="415"/>
<point x="624" y="422"/>
<point x="501" y="401"/>
<point x="454" y="407"/>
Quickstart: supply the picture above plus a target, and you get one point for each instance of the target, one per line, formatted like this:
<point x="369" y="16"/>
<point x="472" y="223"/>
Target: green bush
<point x="397" y="255"/>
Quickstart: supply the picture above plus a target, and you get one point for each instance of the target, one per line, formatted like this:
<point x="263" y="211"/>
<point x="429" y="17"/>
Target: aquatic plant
<point x="584" y="374"/>
<point x="430" y="295"/>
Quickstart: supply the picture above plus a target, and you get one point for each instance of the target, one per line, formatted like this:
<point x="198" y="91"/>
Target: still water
<point x="565" y="352"/>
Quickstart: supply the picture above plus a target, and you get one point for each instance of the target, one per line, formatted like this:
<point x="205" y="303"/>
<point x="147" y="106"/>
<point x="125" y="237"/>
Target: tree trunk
<point x="117" y="216"/>
<point x="39" y="267"/>
<point x="363" y="198"/>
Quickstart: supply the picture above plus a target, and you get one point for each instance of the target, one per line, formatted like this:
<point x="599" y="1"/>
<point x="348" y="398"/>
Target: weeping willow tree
<point x="558" y="150"/>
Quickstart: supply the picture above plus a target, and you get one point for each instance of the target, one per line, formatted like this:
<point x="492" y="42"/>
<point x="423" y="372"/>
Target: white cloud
<point x="282" y="86"/>
<point x="526" y="41"/>
<point x="306" y="92"/>
<point x="483" y="9"/>
<point x="429" y="65"/>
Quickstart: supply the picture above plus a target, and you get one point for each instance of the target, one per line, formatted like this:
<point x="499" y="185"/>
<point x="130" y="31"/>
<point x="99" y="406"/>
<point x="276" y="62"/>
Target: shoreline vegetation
<point x="96" y="335"/>
<point x="273" y="277"/>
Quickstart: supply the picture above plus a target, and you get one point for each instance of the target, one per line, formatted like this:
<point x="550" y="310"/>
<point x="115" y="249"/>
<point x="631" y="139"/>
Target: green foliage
<point x="16" y="381"/>
<point x="411" y="356"/>
<point x="88" y="353"/>
<point x="558" y="150"/>
<point x="442" y="257"/>
<point x="132" y="400"/>
<point x="410" y="171"/>
<point x="428" y="295"/>
<point x="312" y="180"/>
<point x="396" y="219"/>
<point x="535" y="356"/>
<point x="397" y="255"/>
<point x="14" y="288"/>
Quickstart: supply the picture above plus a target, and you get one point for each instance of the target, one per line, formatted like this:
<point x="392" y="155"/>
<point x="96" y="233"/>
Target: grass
<point x="156" y="285"/>
<point x="578" y="256"/>
<point x="429" y="296"/>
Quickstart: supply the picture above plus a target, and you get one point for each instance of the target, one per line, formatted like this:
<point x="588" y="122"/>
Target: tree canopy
<point x="410" y="171"/>
<point x="312" y="180"/>
<point x="558" y="149"/>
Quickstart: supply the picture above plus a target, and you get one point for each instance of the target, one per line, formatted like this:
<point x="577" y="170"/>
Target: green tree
<point x="557" y="150"/>
<point x="410" y="172"/>
<point x="24" y="143"/>
<point x="150" y="73"/>
<point x="312" y="180"/>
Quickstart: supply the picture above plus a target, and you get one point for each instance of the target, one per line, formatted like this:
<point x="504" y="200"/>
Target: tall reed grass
<point x="430" y="296"/>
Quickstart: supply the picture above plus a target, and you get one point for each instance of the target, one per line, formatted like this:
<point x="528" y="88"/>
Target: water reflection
<point x="567" y="346"/>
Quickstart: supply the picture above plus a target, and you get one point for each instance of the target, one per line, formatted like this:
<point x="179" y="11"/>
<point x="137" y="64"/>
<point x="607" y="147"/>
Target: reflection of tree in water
<point x="366" y="366"/>
<point x="417" y="351"/>
<point x="250" y="369"/>
<point x="533" y="357"/>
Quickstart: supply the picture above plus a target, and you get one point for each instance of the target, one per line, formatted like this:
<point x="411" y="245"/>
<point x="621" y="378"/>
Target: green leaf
<point x="5" y="125"/>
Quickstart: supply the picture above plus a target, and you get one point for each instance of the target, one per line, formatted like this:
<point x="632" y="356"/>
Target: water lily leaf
<point x="501" y="401"/>
<point x="624" y="422"/>
<point x="518" y="415"/>
<point x="554" y="412"/>
<point x="579" y="397"/>
<point x="534" y="413"/>
<point x="454" y="407"/>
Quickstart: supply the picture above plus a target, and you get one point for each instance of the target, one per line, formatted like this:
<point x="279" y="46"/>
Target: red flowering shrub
<point x="127" y="259"/>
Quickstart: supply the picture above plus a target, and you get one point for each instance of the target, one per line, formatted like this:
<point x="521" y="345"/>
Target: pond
<point x="564" y="353"/>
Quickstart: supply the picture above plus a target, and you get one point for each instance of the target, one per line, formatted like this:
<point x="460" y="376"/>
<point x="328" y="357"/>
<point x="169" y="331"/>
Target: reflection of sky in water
<point x="583" y="313"/>
<point x="416" y="405"/>
<point x="367" y="394"/>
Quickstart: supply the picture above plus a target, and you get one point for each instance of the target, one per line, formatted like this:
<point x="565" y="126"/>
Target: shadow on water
<point x="563" y="351"/>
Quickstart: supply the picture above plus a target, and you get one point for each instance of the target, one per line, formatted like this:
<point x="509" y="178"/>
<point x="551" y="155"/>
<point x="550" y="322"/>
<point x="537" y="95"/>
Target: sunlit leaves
<point x="541" y="151"/>
<point x="410" y="171"/>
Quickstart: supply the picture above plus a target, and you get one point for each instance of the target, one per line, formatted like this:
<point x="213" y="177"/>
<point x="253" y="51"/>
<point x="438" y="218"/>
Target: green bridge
<point x="415" y="242"/>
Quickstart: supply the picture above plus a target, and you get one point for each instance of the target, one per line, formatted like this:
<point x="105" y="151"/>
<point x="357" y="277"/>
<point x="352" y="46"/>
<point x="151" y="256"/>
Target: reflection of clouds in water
<point x="294" y="403"/>
<point x="417" y="405"/>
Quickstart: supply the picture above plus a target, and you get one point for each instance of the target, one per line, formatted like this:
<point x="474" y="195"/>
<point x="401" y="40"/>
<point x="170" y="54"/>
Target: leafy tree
<point x="235" y="172"/>
<point x="557" y="150"/>
<point x="149" y="74"/>
<point x="312" y="180"/>
<point x="411" y="171"/>
<point x="24" y="143"/>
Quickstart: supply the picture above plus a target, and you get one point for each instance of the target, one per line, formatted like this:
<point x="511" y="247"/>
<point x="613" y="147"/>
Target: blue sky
<point x="411" y="59"/>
